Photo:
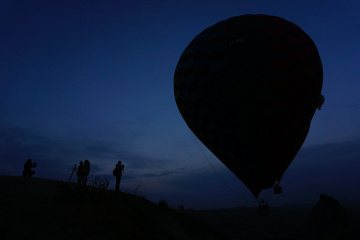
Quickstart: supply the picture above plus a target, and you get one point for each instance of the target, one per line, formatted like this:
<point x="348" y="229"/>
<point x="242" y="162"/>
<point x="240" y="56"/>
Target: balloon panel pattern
<point x="248" y="87"/>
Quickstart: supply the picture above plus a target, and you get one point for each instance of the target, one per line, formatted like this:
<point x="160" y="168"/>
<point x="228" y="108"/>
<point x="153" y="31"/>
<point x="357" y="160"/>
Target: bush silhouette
<point x="100" y="183"/>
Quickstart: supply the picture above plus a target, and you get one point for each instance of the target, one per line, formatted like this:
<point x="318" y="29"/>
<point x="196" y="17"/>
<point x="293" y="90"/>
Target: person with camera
<point x="27" y="172"/>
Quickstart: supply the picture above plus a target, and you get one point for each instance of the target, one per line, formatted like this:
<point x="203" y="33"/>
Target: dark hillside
<point x="33" y="208"/>
<point x="283" y="223"/>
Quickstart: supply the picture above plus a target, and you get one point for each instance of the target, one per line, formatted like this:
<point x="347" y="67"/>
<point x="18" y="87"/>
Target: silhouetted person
<point x="80" y="173"/>
<point x="117" y="172"/>
<point x="86" y="171"/>
<point x="27" y="172"/>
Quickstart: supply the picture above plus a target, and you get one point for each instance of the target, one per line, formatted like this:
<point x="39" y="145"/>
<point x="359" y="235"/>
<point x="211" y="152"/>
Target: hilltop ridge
<point x="47" y="209"/>
<point x="35" y="208"/>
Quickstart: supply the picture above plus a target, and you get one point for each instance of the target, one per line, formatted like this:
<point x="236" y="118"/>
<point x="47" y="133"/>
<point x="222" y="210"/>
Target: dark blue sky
<point x="94" y="80"/>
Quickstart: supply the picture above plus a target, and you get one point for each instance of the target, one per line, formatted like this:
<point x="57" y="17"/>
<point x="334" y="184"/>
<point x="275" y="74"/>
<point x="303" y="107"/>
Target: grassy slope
<point x="48" y="209"/>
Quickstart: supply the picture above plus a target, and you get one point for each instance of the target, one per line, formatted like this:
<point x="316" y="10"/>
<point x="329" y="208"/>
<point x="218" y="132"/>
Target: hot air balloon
<point x="248" y="88"/>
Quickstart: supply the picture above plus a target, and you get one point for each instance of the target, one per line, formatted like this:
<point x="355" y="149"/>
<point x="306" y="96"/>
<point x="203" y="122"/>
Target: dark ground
<point x="33" y="208"/>
<point x="283" y="223"/>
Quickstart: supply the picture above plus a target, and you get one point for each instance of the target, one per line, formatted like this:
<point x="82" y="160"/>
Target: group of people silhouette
<point x="82" y="172"/>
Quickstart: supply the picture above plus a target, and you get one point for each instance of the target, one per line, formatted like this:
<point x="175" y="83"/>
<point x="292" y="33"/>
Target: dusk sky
<point x="94" y="80"/>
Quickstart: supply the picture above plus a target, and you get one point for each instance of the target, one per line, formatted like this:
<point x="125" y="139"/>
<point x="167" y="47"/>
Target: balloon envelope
<point x="248" y="88"/>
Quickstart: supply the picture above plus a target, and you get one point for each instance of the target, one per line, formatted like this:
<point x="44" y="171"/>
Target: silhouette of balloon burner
<point x="248" y="88"/>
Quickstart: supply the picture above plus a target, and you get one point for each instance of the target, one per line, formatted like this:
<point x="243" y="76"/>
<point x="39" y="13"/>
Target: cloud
<point x="165" y="173"/>
<point x="57" y="155"/>
<point x="329" y="168"/>
<point x="344" y="154"/>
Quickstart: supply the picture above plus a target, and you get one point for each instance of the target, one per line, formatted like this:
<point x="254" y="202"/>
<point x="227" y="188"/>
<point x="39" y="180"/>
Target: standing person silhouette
<point x="27" y="172"/>
<point x="117" y="172"/>
<point x="86" y="171"/>
<point x="80" y="173"/>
